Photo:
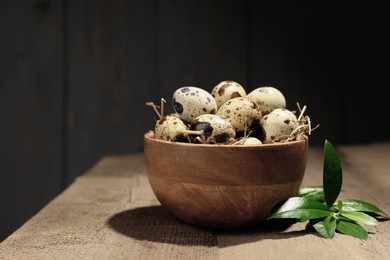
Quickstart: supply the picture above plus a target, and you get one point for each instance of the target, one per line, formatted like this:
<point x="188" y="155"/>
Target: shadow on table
<point x="155" y="224"/>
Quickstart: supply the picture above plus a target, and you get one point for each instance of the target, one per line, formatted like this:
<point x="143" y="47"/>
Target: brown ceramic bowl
<point x="223" y="186"/>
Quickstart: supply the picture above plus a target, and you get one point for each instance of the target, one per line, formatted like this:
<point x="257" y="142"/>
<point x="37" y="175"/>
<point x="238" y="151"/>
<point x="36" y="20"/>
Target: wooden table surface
<point x="110" y="212"/>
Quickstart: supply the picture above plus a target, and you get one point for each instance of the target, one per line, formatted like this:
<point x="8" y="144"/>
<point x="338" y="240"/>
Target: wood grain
<point x="111" y="212"/>
<point x="223" y="186"/>
<point x="75" y="75"/>
<point x="31" y="109"/>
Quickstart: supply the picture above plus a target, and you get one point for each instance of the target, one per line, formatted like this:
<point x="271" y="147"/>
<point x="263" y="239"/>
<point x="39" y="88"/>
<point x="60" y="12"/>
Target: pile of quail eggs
<point x="228" y="115"/>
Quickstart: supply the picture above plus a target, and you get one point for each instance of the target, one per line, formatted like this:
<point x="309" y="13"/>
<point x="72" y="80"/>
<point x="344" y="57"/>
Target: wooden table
<point x="111" y="213"/>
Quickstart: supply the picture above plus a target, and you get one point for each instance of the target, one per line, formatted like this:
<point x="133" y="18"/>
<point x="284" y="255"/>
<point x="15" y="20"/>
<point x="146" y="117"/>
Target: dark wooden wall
<point x="75" y="76"/>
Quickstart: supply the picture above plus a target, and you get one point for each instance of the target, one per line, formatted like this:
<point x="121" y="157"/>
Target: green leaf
<point x="352" y="229"/>
<point x="358" y="205"/>
<point x="332" y="175"/>
<point x="318" y="204"/>
<point x="360" y="217"/>
<point x="340" y="205"/>
<point x="327" y="227"/>
<point x="313" y="192"/>
<point x="301" y="208"/>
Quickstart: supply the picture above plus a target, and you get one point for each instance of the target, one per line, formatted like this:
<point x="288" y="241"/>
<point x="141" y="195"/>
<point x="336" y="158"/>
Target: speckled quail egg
<point x="251" y="140"/>
<point x="226" y="90"/>
<point x="168" y="128"/>
<point x="190" y="102"/>
<point x="242" y="113"/>
<point x="214" y="129"/>
<point x="268" y="98"/>
<point x="278" y="125"/>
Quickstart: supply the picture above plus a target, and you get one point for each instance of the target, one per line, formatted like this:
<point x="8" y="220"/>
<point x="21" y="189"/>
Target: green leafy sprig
<point x="319" y="204"/>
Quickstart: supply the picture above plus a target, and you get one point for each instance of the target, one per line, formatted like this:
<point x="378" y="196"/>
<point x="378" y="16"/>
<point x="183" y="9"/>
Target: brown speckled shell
<point x="226" y="90"/>
<point x="240" y="112"/>
<point x="190" y="102"/>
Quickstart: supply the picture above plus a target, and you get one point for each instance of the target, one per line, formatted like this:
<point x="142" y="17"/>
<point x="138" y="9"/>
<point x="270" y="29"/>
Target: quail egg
<point x="168" y="128"/>
<point x="278" y="125"/>
<point x="190" y="102"/>
<point x="268" y="98"/>
<point x="251" y="140"/>
<point x="214" y="129"/>
<point x="242" y="113"/>
<point x="227" y="90"/>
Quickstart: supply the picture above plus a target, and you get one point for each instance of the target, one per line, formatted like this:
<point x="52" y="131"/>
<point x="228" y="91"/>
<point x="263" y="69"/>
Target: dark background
<point x="75" y="76"/>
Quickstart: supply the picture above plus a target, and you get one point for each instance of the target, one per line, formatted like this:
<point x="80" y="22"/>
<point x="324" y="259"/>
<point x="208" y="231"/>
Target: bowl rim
<point x="150" y="136"/>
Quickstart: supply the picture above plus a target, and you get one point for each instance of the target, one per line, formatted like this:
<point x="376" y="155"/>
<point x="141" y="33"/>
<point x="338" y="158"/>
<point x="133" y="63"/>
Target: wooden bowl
<point x="223" y="186"/>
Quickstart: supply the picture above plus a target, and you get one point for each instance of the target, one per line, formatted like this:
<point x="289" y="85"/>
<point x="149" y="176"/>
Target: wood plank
<point x="295" y="48"/>
<point x="365" y="51"/>
<point x="31" y="103"/>
<point x="111" y="66"/>
<point x="111" y="212"/>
